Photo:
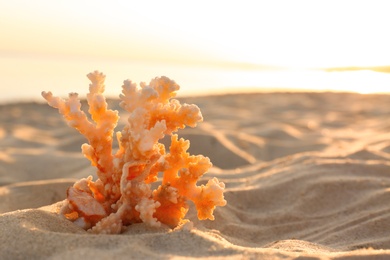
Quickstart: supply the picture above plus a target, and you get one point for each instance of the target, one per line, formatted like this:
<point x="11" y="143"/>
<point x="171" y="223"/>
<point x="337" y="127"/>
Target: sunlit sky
<point x="205" y="46"/>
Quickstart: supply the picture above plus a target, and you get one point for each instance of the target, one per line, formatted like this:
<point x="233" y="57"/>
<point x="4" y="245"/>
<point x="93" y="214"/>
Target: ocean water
<point x="23" y="78"/>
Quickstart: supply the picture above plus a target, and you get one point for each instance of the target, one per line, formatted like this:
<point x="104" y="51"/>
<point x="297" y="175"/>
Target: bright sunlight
<point x="208" y="46"/>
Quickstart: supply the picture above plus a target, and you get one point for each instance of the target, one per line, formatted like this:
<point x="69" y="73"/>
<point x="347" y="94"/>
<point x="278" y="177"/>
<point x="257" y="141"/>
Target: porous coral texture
<point x="122" y="194"/>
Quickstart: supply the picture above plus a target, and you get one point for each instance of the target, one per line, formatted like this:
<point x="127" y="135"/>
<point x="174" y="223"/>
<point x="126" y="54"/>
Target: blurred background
<point x="207" y="47"/>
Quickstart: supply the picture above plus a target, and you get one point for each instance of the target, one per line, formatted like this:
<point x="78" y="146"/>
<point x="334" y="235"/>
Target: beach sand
<point x="306" y="174"/>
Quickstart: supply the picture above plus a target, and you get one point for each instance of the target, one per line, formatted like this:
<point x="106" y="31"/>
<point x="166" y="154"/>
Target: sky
<point x="205" y="46"/>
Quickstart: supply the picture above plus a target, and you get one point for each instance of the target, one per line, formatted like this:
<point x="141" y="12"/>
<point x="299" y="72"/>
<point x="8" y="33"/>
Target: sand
<point x="307" y="175"/>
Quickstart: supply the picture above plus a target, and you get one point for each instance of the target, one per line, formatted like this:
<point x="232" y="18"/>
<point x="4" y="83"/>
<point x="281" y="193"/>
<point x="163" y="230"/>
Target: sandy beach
<point x="306" y="174"/>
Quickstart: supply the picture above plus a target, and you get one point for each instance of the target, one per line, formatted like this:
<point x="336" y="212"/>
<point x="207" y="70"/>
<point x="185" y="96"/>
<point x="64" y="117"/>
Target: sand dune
<point x="306" y="175"/>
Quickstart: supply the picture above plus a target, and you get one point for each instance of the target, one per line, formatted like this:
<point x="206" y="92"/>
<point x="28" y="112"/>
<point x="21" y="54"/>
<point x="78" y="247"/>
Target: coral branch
<point x="122" y="194"/>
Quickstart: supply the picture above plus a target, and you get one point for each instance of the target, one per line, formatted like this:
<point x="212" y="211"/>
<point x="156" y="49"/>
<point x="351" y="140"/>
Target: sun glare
<point x="252" y="43"/>
<point x="262" y="32"/>
<point x="286" y="33"/>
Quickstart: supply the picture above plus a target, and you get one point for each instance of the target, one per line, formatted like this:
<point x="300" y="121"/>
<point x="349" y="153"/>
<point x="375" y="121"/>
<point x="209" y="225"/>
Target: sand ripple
<point x="306" y="174"/>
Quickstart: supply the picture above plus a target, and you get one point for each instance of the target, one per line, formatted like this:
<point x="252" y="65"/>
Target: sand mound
<point x="306" y="175"/>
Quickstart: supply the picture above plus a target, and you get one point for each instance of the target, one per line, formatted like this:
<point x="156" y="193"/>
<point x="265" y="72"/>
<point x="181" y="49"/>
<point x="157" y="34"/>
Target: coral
<point x="123" y="193"/>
